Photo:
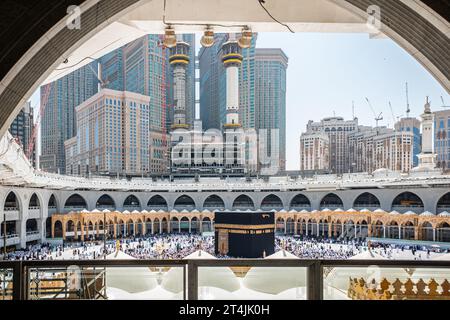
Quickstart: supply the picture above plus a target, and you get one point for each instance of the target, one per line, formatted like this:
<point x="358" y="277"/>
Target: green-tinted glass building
<point x="58" y="120"/>
<point x="270" y="95"/>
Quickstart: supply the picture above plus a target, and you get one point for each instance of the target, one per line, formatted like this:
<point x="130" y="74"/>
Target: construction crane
<point x="35" y="130"/>
<point x="377" y="118"/>
<point x="44" y="101"/>
<point x="392" y="113"/>
<point x="408" y="110"/>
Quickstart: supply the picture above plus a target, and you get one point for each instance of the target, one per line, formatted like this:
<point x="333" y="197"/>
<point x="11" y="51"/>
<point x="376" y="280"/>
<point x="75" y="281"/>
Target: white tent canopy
<point x="273" y="280"/>
<point x="217" y="277"/>
<point x="129" y="279"/>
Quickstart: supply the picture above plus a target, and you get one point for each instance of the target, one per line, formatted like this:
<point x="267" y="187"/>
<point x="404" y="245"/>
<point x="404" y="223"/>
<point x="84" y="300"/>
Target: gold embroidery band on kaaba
<point x="244" y="226"/>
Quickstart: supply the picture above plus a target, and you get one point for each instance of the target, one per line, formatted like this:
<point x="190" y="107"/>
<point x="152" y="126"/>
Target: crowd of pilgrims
<point x="312" y="248"/>
<point x="178" y="246"/>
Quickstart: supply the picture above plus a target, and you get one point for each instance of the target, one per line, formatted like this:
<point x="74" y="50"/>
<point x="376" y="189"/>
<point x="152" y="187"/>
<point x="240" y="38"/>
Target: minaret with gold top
<point x="232" y="60"/>
<point x="179" y="59"/>
<point x="427" y="157"/>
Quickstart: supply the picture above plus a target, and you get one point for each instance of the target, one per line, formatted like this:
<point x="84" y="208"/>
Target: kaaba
<point x="249" y="234"/>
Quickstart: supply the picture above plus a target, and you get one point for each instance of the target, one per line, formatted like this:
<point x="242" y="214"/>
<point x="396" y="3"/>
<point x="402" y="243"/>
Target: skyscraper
<point x="111" y="70"/>
<point x="136" y="67"/>
<point x="112" y="135"/>
<point x="58" y="120"/>
<point x="210" y="77"/>
<point x="338" y="131"/>
<point x="145" y="61"/>
<point x="355" y="148"/>
<point x="380" y="148"/>
<point x="21" y="128"/>
<point x="270" y="97"/>
<point x="247" y="83"/>
<point x="143" y="71"/>
<point x="314" y="154"/>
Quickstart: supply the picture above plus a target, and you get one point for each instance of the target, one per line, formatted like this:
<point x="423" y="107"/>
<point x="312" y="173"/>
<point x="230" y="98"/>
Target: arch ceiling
<point x="35" y="39"/>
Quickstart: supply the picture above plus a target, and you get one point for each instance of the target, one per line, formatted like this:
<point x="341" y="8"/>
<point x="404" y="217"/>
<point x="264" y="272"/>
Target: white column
<point x="232" y="94"/>
<point x="23" y="233"/>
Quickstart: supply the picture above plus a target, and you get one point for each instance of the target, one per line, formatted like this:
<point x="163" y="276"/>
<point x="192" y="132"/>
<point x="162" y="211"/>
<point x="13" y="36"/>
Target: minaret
<point x="179" y="59"/>
<point x="232" y="60"/>
<point x="427" y="156"/>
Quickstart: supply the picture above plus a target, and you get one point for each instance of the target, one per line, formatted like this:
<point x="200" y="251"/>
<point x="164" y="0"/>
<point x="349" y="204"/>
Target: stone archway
<point x="300" y="202"/>
<point x="157" y="202"/>
<point x="214" y="202"/>
<point x="184" y="202"/>
<point x="271" y="202"/>
<point x="331" y="201"/>
<point x="366" y="200"/>
<point x="75" y="202"/>
<point x="105" y="202"/>
<point x="443" y="203"/>
<point x="408" y="201"/>
<point x="243" y="202"/>
<point x="131" y="203"/>
<point x="417" y="29"/>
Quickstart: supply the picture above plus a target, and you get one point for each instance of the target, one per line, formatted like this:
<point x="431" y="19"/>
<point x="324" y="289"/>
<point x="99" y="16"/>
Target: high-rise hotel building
<point x="58" y="120"/>
<point x="442" y="139"/>
<point x="411" y="124"/>
<point x="355" y="148"/>
<point x="314" y="152"/>
<point x="113" y="135"/>
<point x="22" y="127"/>
<point x="136" y="67"/>
<point x="338" y="130"/>
<point x="270" y="98"/>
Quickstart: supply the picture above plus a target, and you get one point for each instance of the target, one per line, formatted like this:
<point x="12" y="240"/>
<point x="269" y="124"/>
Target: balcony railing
<point x="11" y="215"/>
<point x="195" y="279"/>
<point x="7" y="209"/>
<point x="11" y="239"/>
<point x="51" y="209"/>
<point x="414" y="208"/>
<point x="33" y="235"/>
<point x="34" y="212"/>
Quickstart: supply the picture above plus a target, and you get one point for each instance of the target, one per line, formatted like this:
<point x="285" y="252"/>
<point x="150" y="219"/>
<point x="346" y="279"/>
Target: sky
<point x="326" y="72"/>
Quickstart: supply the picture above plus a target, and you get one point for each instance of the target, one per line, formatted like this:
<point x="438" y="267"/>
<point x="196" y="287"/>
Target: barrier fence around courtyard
<point x="352" y="279"/>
